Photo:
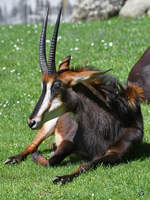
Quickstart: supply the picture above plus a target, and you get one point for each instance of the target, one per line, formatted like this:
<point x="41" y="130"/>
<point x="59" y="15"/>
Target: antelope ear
<point x="86" y="76"/>
<point x="65" y="64"/>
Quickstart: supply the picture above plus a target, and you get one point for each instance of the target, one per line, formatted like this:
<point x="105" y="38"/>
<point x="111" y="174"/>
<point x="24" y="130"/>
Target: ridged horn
<point x="51" y="61"/>
<point x="42" y="50"/>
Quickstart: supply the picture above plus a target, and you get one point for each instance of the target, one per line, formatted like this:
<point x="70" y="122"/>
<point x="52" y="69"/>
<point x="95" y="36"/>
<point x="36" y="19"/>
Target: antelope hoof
<point x="35" y="155"/>
<point x="62" y="179"/>
<point x="13" y="160"/>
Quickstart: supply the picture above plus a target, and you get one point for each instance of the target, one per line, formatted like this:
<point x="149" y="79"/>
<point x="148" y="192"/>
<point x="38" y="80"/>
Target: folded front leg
<point x="44" y="132"/>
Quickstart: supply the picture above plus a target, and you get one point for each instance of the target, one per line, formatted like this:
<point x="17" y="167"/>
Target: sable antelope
<point x="90" y="113"/>
<point x="140" y="74"/>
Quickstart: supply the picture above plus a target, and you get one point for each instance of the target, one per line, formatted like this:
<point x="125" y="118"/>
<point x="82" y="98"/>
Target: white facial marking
<point x="55" y="104"/>
<point x="46" y="100"/>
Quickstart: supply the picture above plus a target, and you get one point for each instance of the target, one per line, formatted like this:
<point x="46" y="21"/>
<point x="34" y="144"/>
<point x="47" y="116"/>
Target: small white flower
<point x="4" y="105"/>
<point x="92" y="194"/>
<point x="17" y="48"/>
<point x="76" y="48"/>
<point x="0" y="113"/>
<point x="59" y="37"/>
<point x="110" y="44"/>
<point x="77" y="40"/>
<point x="92" y="44"/>
<point x="105" y="44"/>
<point x="3" y="68"/>
<point x="15" y="45"/>
<point x="102" y="41"/>
<point x="10" y="26"/>
<point x="47" y="41"/>
<point x="2" y="41"/>
<point x="18" y="101"/>
<point x="71" y="49"/>
<point x="18" y="40"/>
<point x="13" y="70"/>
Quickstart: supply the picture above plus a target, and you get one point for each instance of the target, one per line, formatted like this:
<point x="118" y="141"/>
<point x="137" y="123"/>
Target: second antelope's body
<point x="140" y="74"/>
<point x="91" y="114"/>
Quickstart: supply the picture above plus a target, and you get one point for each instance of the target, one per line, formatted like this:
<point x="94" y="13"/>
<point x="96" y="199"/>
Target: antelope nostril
<point x="32" y="123"/>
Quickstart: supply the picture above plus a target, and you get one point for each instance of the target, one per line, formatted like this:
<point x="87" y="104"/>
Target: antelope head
<point x="51" y="103"/>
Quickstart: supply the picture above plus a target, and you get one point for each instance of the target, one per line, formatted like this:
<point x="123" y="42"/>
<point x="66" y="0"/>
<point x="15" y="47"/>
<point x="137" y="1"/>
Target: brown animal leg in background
<point x="62" y="151"/>
<point x="113" y="155"/>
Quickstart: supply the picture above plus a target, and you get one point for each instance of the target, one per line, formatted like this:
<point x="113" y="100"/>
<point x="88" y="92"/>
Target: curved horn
<point x="51" y="61"/>
<point x="42" y="51"/>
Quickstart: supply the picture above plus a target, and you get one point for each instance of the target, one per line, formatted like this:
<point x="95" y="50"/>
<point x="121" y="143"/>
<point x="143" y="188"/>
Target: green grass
<point x="20" y="88"/>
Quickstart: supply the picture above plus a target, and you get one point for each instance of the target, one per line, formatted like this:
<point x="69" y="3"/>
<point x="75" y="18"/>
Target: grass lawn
<point x="115" y="43"/>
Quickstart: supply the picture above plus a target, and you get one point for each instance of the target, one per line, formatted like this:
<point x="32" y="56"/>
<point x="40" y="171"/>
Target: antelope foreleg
<point x="44" y="132"/>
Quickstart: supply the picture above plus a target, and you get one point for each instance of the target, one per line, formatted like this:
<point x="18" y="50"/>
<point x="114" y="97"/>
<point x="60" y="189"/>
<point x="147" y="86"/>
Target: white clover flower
<point x="102" y="41"/>
<point x="47" y="41"/>
<point x="13" y="70"/>
<point x="3" y="68"/>
<point x="4" y="105"/>
<point x="76" y="48"/>
<point x="110" y="44"/>
<point x="17" y="48"/>
<point x="18" y="102"/>
<point x="92" y="44"/>
<point x="59" y="37"/>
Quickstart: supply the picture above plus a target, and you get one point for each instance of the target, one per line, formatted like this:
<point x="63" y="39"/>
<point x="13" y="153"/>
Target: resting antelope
<point x="90" y="113"/>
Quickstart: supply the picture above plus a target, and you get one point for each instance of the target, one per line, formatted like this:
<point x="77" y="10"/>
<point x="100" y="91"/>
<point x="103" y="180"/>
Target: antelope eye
<point x="57" y="85"/>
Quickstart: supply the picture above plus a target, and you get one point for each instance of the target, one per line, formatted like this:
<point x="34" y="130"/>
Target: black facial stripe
<point x="39" y="103"/>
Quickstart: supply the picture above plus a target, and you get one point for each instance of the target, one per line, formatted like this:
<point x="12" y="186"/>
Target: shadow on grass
<point x="142" y="152"/>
